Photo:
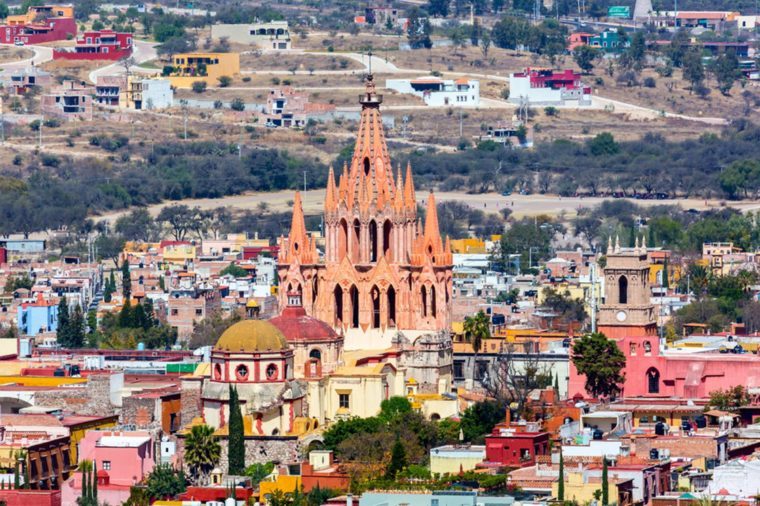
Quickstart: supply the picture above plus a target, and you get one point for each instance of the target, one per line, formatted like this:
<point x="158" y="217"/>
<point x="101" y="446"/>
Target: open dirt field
<point x="304" y="61"/>
<point x="521" y="205"/>
<point x="12" y="53"/>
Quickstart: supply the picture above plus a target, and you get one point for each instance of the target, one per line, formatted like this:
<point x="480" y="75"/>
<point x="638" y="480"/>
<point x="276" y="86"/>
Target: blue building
<point x="609" y="41"/>
<point x="435" y="498"/>
<point x="37" y="317"/>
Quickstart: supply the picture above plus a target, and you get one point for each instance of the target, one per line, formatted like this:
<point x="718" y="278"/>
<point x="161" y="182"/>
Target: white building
<point x="546" y="87"/>
<point x="437" y="92"/>
<point x="156" y="94"/>
<point x="740" y="478"/>
<point x="273" y="35"/>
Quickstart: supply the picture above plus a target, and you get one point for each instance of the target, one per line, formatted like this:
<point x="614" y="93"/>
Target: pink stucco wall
<point x="687" y="376"/>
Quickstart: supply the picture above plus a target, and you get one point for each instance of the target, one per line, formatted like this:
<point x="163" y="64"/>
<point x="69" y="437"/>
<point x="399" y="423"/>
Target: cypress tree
<point x="561" y="479"/>
<point x="632" y="237"/>
<point x="556" y="384"/>
<point x="236" y="437"/>
<point x="126" y="281"/>
<point x="27" y="481"/>
<point x="398" y="460"/>
<point x="63" y="328"/>
<point x="85" y="484"/>
<point x="16" y="477"/>
<point x="94" y="482"/>
<point x="665" y="275"/>
<point x="126" y="320"/>
<point x="76" y="328"/>
<point x="605" y="483"/>
<point x="150" y="315"/>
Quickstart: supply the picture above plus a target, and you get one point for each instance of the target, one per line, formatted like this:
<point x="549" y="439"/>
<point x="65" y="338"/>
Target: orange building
<point x="382" y="272"/>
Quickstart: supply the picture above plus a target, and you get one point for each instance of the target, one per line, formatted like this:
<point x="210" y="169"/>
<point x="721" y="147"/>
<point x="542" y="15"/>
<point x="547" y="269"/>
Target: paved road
<point x="144" y="51"/>
<point x="42" y="54"/>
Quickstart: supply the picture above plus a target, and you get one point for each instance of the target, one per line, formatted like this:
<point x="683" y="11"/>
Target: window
<point x="199" y="312"/>
<point x="241" y="372"/>
<point x="459" y="369"/>
<point x="633" y="349"/>
<point x="481" y="370"/>
<point x="344" y="401"/>
<point x="175" y="312"/>
<point x="271" y="372"/>
<point x="106" y="465"/>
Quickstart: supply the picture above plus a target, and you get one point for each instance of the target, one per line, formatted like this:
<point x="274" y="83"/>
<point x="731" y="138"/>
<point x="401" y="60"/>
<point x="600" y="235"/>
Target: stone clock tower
<point x="627" y="311"/>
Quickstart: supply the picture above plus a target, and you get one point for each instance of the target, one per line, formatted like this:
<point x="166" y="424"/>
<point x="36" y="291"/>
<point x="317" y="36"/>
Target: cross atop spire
<point x="369" y="55"/>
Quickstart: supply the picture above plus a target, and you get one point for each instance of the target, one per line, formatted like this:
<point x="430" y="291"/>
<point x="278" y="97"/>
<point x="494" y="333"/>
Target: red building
<point x="98" y="45"/>
<point x="323" y="472"/>
<point x="42" y="23"/>
<point x="516" y="445"/>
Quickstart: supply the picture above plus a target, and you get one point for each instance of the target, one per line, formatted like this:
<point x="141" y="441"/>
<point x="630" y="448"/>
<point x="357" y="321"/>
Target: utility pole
<point x="304" y="181"/>
<point x="593" y="298"/>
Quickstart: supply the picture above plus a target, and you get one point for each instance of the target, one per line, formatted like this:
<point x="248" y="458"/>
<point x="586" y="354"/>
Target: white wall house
<point x="273" y="35"/>
<point x="157" y="94"/>
<point x="546" y="87"/>
<point x="437" y="92"/>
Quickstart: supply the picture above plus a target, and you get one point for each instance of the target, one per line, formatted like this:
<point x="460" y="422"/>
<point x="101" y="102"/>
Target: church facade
<point x="382" y="271"/>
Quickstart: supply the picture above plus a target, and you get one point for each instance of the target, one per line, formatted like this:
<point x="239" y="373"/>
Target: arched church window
<point x="391" y="294"/>
<point x="647" y="348"/>
<point x="623" y="290"/>
<point x="316" y="354"/>
<point x="271" y="372"/>
<point x="372" y="241"/>
<point x="423" y="295"/>
<point x="375" y="295"/>
<point x="217" y="372"/>
<point x="241" y="372"/>
<point x="366" y="166"/>
<point x="653" y="381"/>
<point x="432" y="301"/>
<point x="387" y="229"/>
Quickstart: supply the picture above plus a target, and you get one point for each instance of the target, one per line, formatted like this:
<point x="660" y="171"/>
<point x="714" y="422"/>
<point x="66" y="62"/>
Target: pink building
<point x="628" y="316"/>
<point x="547" y="87"/>
<point x="122" y="458"/>
<point x="98" y="45"/>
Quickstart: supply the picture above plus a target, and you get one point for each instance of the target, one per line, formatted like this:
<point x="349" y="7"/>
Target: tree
<point x="726" y="70"/>
<point x="438" y="8"/>
<point x="602" y="362"/>
<point x="75" y="333"/>
<point x="730" y="399"/>
<point x="633" y="55"/>
<point x="110" y="246"/>
<point x="693" y="70"/>
<point x="394" y="407"/>
<point x="199" y="86"/>
<point x="63" y="331"/>
<point x="603" y="145"/>
<point x="398" y="460"/>
<point x="236" y="438"/>
<point x="234" y="270"/>
<point x="180" y="219"/>
<point x="4" y="11"/>
<point x="585" y="56"/>
<point x="485" y="43"/>
<point x="237" y="104"/>
<point x="418" y="29"/>
<point x="224" y="81"/>
<point x="258" y="472"/>
<point x="126" y="280"/>
<point x="202" y="451"/>
<point x="605" y="483"/>
<point x="207" y="331"/>
<point x="480" y="419"/>
<point x="561" y="479"/>
<point x="165" y="482"/>
<point x="477" y="328"/>
<point x="138" y="225"/>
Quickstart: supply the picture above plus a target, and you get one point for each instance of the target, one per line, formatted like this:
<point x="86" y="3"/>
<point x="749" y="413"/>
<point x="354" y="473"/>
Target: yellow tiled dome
<point x="251" y="336"/>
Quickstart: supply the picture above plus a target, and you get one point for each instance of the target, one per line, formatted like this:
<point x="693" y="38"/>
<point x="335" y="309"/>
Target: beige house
<point x="272" y="35"/>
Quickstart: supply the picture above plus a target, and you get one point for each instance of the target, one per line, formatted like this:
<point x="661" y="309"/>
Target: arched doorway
<point x="354" y="295"/>
<point x="623" y="290"/>
<point x="375" y="296"/>
<point x="391" y="294"/>
<point x="653" y="381"/>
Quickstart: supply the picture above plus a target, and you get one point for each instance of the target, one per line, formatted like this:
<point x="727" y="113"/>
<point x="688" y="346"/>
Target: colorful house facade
<point x="98" y="45"/>
<point x="42" y="23"/>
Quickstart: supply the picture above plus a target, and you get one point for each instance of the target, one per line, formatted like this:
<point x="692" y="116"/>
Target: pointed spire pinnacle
<point x="431" y="218"/>
<point x="409" y="188"/>
<point x="617" y="244"/>
<point x="609" y="245"/>
<point x="636" y="245"/>
<point x="330" y="195"/>
<point x="297" y="239"/>
<point x="643" y="243"/>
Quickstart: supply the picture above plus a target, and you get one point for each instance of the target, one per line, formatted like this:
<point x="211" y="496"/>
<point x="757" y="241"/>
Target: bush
<point x="49" y="160"/>
<point x="650" y="82"/>
<point x="167" y="70"/>
<point x="505" y="93"/>
<point x="237" y="104"/>
<point x="218" y="104"/>
<point x="599" y="81"/>
<point x="52" y="123"/>
<point x="246" y="79"/>
<point x="34" y="125"/>
<point x="199" y="86"/>
<point x="551" y="111"/>
<point x="224" y="81"/>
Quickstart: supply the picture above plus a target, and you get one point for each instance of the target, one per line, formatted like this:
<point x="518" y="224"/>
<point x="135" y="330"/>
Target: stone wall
<point x="143" y="412"/>
<point x="260" y="450"/>
<point x="91" y="399"/>
<point x="190" y="400"/>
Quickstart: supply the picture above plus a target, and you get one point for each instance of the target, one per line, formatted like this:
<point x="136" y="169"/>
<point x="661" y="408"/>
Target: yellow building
<point x="284" y="483"/>
<point x="37" y="11"/>
<point x="206" y="67"/>
<point x="468" y="245"/>
<point x="179" y="254"/>
<point x="452" y="459"/>
<point x="580" y="487"/>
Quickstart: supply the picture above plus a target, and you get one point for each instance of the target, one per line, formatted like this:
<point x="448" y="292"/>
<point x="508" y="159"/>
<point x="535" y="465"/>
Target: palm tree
<point x="202" y="450"/>
<point x="477" y="328"/>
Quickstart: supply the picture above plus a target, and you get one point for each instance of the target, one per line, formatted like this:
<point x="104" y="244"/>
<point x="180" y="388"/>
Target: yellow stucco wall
<point x="228" y="65"/>
<point x="286" y="484"/>
<point x="42" y="381"/>
<point x="443" y="465"/>
<point x="582" y="492"/>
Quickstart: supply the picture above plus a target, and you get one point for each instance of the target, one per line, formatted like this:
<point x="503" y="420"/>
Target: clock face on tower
<point x="621" y="316"/>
